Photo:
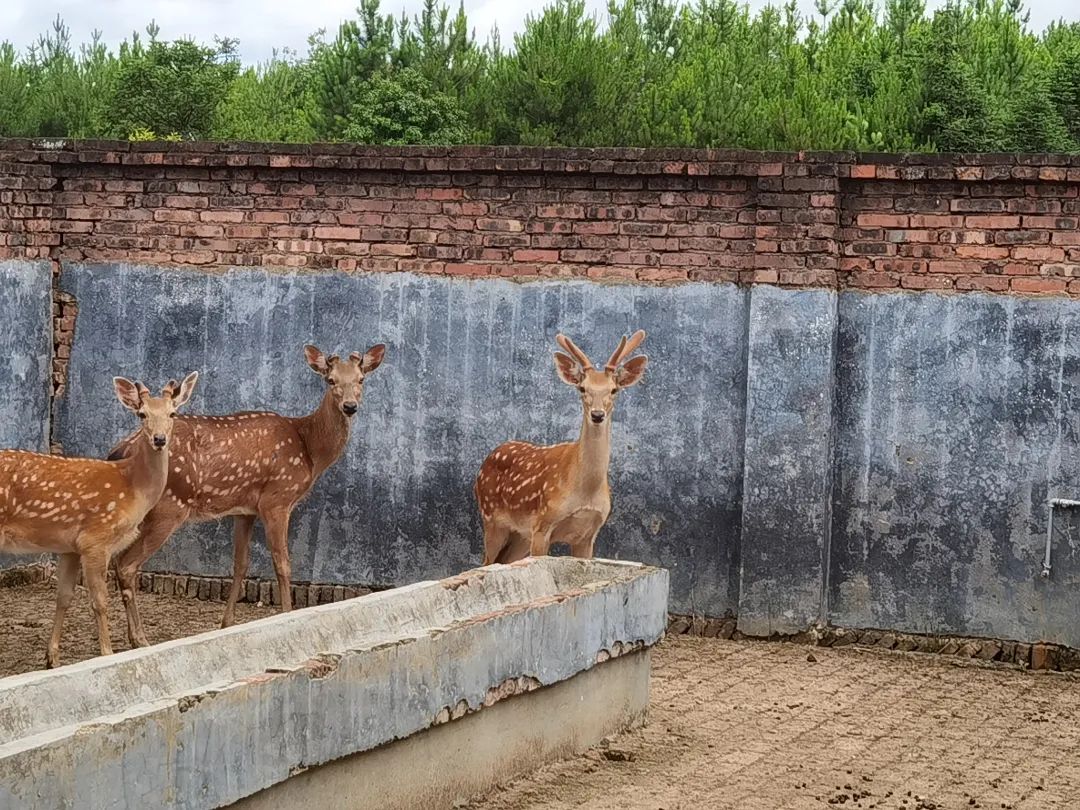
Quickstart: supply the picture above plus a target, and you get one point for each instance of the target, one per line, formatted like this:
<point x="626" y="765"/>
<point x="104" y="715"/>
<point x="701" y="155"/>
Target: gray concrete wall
<point x="468" y="366"/>
<point x="25" y="354"/>
<point x="898" y="450"/>
<point x="958" y="418"/>
<point x="787" y="474"/>
<point x="25" y="360"/>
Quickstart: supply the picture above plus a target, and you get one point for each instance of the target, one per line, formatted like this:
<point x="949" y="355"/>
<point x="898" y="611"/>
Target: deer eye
<point x="172" y="415"/>
<point x="141" y="414"/>
<point x="331" y="381"/>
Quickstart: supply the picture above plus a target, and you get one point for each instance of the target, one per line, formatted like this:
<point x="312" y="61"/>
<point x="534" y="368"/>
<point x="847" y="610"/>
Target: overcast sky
<point x="262" y="25"/>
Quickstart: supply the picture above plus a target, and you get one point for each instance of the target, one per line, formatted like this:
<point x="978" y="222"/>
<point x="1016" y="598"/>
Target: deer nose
<point x="349" y="408"/>
<point x="160" y="440"/>
<point x="597" y="416"/>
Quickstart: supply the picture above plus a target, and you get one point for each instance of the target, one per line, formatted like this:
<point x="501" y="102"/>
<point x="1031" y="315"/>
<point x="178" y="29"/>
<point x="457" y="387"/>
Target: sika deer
<point x="531" y="496"/>
<point x="249" y="465"/>
<point x="87" y="510"/>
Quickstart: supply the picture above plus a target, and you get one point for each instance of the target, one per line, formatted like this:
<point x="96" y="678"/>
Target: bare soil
<point x="758" y="726"/>
<point x="746" y="725"/>
<point x="26" y="618"/>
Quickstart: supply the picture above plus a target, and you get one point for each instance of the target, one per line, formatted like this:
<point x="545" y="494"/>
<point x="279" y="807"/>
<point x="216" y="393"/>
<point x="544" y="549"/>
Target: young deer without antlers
<point x="86" y="510"/>
<point x="249" y="465"/>
<point x="531" y="496"/>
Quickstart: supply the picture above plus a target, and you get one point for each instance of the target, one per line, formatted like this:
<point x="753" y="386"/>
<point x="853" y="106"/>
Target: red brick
<point x="662" y="274"/>
<point x="502" y="225"/>
<point x="526" y="255"/>
<point x="994" y="283"/>
<point x="992" y="222"/>
<point x="865" y="171"/>
<point x="916" y="282"/>
<point x="1038" y="285"/>
<point x="1038" y="254"/>
<point x="455" y="269"/>
<point x="1053" y="174"/>
<point x="936" y="221"/>
<point x="873" y="280"/>
<point x="883" y="220"/>
<point x="337" y="233"/>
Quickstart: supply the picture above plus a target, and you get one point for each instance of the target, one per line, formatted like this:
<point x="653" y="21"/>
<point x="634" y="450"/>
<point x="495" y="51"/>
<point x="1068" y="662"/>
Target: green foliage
<point x="855" y="74"/>
<point x="169" y="87"/>
<point x="403" y="108"/>
<point x="271" y="102"/>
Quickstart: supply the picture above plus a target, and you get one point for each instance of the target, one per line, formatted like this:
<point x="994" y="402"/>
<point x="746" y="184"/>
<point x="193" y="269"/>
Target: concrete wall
<point x="764" y="460"/>
<point x="25" y="353"/>
<point x="958" y="418"/>
<point x="204" y="721"/>
<point x="792" y="455"/>
<point x="468" y="366"/>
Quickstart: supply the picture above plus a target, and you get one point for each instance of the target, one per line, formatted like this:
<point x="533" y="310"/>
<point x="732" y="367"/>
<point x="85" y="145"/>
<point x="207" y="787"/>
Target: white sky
<point x="262" y="25"/>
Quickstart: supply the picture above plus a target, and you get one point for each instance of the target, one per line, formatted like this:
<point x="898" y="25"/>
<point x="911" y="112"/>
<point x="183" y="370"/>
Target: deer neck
<point x="324" y="433"/>
<point x="594" y="454"/>
<point x="147" y="470"/>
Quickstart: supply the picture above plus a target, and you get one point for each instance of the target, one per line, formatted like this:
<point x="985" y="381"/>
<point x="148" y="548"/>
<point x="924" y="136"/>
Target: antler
<point x="574" y="351"/>
<point x="626" y="347"/>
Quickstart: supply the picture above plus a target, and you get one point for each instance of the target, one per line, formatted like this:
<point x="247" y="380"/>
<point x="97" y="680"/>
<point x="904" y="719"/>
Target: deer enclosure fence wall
<point x="864" y="369"/>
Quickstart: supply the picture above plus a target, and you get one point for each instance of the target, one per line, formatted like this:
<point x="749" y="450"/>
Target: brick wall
<point x="999" y="223"/>
<point x="986" y="222"/>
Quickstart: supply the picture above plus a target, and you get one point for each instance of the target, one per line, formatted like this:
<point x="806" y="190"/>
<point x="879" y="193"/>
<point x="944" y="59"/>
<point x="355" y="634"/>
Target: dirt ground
<point x="26" y="617"/>
<point x="758" y="726"/>
<point x="742" y="725"/>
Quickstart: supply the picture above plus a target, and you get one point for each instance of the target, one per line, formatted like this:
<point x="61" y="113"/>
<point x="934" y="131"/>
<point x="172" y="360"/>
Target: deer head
<point x="345" y="377"/>
<point x="157" y="413"/>
<point x="598" y="388"/>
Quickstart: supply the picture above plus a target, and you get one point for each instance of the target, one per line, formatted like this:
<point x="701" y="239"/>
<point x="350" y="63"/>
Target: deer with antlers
<point x="531" y="496"/>
<point x="87" y="510"/>
<point x="248" y="465"/>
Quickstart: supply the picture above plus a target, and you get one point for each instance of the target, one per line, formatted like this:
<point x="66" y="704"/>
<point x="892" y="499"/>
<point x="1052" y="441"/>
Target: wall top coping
<point x="607" y="160"/>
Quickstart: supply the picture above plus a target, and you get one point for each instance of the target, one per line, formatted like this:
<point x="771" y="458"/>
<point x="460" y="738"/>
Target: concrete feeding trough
<point x="414" y="697"/>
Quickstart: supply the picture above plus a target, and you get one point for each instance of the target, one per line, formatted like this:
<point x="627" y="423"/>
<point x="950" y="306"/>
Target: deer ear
<point x="128" y="393"/>
<point x="569" y="369"/>
<point x="186" y="388"/>
<point x="630" y="372"/>
<point x="316" y="359"/>
<point x="373" y="358"/>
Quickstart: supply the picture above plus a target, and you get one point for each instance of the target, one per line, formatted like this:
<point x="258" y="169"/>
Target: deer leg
<point x="583" y="546"/>
<point x="495" y="537"/>
<point x="67" y="571"/>
<point x="94" y="565"/>
<point x="243" y="526"/>
<point x="157" y="527"/>
<point x="540" y="542"/>
<point x="276" y="524"/>
<point x="516" y="549"/>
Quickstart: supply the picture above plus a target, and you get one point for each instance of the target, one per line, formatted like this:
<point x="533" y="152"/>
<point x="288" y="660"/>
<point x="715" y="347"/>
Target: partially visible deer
<point x="249" y="465"/>
<point x="87" y="510"/>
<point x="531" y="496"/>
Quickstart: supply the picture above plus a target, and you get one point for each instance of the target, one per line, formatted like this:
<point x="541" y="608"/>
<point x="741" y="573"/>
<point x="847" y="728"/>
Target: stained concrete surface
<point x="468" y="366"/>
<point x="204" y="721"/>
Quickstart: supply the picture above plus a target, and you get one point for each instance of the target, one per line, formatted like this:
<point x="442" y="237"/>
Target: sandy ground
<point x="26" y="617"/>
<point x="744" y="725"/>
<point x="753" y="725"/>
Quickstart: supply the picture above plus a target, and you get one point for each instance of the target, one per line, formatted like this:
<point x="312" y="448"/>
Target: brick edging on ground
<point x="1037" y="656"/>
<point x="1030" y="655"/>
